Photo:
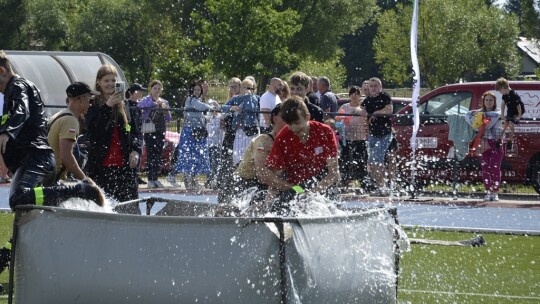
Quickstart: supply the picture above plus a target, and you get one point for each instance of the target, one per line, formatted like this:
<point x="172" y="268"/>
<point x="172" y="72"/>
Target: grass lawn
<point x="506" y="270"/>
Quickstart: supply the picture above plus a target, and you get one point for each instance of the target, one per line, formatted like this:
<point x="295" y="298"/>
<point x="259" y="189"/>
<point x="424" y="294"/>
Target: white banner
<point x="416" y="77"/>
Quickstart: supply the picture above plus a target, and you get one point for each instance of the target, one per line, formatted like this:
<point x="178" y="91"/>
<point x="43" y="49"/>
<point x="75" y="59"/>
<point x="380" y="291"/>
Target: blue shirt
<point x="248" y="116"/>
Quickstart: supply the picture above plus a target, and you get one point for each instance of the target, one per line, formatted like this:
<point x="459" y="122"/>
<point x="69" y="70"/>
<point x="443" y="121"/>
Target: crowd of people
<point x="101" y="143"/>
<point x="292" y="139"/>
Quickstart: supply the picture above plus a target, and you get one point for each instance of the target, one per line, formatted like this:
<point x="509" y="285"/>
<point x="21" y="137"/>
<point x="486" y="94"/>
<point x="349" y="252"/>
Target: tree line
<point x="347" y="40"/>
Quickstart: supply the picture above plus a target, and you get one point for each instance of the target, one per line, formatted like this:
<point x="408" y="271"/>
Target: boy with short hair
<point x="515" y="106"/>
<point x="299" y="83"/>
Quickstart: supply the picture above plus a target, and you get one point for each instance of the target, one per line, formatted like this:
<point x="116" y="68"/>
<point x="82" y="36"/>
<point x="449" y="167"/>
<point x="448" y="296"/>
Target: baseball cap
<point x="136" y="87"/>
<point x="80" y="88"/>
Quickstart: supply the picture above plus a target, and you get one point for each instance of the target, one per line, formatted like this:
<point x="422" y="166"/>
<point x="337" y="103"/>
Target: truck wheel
<point x="534" y="169"/>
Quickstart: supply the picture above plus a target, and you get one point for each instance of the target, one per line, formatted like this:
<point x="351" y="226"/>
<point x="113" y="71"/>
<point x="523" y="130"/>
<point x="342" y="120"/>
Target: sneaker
<point x="495" y="197"/>
<point x="158" y="184"/>
<point x="487" y="197"/>
<point x="172" y="180"/>
<point x="151" y="184"/>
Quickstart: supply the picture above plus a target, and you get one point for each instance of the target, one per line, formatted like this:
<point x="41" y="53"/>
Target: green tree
<point x="118" y="29"/>
<point x="47" y="26"/>
<point x="331" y="68"/>
<point x="146" y="38"/>
<point x="359" y="58"/>
<point x="514" y="7"/>
<point x="530" y="18"/>
<point x="470" y="39"/>
<point x="247" y="36"/>
<point x="13" y="17"/>
<point x="324" y="23"/>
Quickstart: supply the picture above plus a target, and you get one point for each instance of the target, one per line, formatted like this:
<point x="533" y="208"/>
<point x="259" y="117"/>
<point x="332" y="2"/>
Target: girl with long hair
<point x="114" y="148"/>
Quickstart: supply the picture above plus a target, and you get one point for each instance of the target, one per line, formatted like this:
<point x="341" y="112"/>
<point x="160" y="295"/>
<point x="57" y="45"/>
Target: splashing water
<point x="314" y="204"/>
<point x="306" y="205"/>
<point x="87" y="205"/>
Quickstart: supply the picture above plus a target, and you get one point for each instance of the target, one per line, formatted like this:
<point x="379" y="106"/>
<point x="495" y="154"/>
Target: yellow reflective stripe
<point x="4" y="119"/>
<point x="7" y="245"/>
<point x="38" y="192"/>
<point x="128" y="128"/>
<point x="298" y="189"/>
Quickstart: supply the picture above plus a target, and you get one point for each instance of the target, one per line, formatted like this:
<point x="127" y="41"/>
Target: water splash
<point x="86" y="205"/>
<point x="307" y="205"/>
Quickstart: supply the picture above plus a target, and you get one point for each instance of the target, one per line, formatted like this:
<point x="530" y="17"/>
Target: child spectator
<point x="491" y="158"/>
<point x="354" y="154"/>
<point x="215" y="139"/>
<point x="515" y="110"/>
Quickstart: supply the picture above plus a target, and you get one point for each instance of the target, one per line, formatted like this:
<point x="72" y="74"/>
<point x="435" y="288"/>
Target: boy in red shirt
<point x="306" y="151"/>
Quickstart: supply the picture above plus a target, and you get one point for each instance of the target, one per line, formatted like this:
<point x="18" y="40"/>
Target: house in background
<point x="530" y="52"/>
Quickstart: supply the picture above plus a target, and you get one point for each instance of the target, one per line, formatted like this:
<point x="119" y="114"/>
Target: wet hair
<point x="501" y="83"/>
<point x="5" y="63"/>
<point x="299" y="78"/>
<point x="355" y="89"/>
<point x="484" y="105"/>
<point x="275" y="112"/>
<point x="293" y="108"/>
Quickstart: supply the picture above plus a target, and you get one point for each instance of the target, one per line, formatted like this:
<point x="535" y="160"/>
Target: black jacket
<point x="315" y="112"/>
<point x="23" y="121"/>
<point x="100" y="128"/>
<point x="134" y="118"/>
<point x="313" y="98"/>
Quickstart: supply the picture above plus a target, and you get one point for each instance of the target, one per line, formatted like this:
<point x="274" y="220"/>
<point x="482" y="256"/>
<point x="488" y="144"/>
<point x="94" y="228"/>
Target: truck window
<point x="450" y="103"/>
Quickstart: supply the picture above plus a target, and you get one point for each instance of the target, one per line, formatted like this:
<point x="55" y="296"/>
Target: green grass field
<point x="506" y="270"/>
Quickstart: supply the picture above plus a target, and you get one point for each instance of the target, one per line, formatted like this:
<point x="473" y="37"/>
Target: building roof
<point x="531" y="47"/>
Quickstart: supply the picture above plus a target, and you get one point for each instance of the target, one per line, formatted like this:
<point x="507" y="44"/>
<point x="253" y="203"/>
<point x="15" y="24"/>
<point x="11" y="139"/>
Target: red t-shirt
<point x="115" y="157"/>
<point x="302" y="161"/>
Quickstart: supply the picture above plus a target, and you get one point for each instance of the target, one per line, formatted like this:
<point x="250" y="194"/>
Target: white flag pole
<point x="416" y="88"/>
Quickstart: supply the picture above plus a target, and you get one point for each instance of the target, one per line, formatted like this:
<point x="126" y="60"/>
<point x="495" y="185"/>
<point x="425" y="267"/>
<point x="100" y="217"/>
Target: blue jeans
<point x="377" y="148"/>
